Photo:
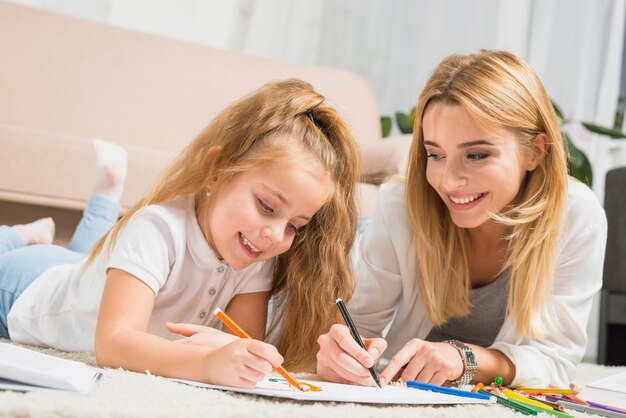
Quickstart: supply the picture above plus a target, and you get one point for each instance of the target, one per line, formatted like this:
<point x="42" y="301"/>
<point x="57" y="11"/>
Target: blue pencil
<point x="449" y="391"/>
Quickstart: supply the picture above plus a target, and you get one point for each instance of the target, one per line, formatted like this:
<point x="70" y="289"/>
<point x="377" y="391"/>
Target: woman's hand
<point x="426" y="362"/>
<point x="242" y="363"/>
<point x="341" y="359"/>
<point x="200" y="335"/>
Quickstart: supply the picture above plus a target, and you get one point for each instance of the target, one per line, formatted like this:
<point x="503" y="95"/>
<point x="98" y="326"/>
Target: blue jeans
<point x="21" y="264"/>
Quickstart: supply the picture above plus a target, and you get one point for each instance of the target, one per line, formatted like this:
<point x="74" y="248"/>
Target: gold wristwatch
<point x="470" y="365"/>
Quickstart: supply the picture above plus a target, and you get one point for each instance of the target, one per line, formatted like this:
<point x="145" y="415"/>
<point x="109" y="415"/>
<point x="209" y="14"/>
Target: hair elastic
<point x="309" y="113"/>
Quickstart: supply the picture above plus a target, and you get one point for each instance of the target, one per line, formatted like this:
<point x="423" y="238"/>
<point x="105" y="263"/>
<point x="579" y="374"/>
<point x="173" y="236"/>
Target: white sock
<point x="111" y="163"/>
<point x="39" y="232"/>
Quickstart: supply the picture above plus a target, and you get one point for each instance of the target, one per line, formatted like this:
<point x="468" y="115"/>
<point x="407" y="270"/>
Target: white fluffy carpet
<point x="127" y="394"/>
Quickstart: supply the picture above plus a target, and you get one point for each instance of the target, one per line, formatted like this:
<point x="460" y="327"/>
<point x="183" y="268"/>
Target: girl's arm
<point x="249" y="311"/>
<point x="122" y="341"/>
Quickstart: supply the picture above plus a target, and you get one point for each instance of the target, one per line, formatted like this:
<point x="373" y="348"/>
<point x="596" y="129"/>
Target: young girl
<point x="260" y="203"/>
<point x="485" y="261"/>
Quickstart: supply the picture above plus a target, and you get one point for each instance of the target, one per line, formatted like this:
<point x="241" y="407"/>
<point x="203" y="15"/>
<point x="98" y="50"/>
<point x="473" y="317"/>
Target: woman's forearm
<point x="492" y="363"/>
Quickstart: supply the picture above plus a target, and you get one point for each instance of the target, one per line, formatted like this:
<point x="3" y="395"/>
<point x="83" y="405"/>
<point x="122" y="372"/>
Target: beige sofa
<point x="65" y="81"/>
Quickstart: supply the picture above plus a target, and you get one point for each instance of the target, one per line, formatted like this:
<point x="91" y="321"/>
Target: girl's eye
<point x="434" y="156"/>
<point x="477" y="156"/>
<point x="292" y="228"/>
<point x="264" y="207"/>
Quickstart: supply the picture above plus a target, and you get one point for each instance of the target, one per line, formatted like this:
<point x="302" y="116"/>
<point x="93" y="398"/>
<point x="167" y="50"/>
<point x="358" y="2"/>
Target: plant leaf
<point x="578" y="165"/>
<point x="385" y="123"/>
<point x="412" y="117"/>
<point x="613" y="133"/>
<point x="557" y="110"/>
<point x="403" y="123"/>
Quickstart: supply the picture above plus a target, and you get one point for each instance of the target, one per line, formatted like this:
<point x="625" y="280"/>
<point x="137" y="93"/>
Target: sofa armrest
<point x="384" y="158"/>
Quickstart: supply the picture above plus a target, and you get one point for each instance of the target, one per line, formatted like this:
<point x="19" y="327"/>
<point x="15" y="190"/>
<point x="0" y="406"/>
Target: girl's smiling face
<point x="256" y="216"/>
<point x="474" y="171"/>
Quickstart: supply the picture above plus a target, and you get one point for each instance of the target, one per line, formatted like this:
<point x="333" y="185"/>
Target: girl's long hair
<point x="279" y="120"/>
<point x="500" y="91"/>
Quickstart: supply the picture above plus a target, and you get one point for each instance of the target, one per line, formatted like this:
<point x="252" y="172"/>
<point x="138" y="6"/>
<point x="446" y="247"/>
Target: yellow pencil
<point x="536" y="405"/>
<point x="537" y="391"/>
<point x="242" y="334"/>
<point x="514" y="395"/>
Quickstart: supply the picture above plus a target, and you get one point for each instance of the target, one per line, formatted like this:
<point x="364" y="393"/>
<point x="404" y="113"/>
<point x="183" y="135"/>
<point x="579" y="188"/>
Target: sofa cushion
<point x="58" y="170"/>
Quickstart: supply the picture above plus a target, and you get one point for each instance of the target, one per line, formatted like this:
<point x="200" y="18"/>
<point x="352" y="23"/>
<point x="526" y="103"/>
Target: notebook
<point x="274" y="385"/>
<point x="22" y="369"/>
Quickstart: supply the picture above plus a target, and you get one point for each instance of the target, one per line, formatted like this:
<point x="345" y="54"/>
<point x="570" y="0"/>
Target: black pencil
<point x="355" y="334"/>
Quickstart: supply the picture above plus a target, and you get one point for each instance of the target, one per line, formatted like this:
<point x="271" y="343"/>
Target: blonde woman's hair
<point x="280" y="120"/>
<point x="500" y="91"/>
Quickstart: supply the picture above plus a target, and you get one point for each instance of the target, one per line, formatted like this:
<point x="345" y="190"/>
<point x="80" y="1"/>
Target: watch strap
<point x="470" y="365"/>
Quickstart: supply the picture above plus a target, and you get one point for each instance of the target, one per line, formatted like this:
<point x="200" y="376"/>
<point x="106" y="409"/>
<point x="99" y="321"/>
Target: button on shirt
<point x="161" y="245"/>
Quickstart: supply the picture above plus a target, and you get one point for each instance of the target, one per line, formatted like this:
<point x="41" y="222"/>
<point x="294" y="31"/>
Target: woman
<point x="485" y="261"/>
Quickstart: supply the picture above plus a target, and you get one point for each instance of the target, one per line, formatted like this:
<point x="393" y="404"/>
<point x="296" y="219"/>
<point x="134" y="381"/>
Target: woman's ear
<point x="539" y="150"/>
<point x="209" y="159"/>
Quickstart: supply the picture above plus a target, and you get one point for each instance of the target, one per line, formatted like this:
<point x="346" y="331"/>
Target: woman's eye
<point x="434" y="156"/>
<point x="264" y="207"/>
<point x="477" y="156"/>
<point x="292" y="228"/>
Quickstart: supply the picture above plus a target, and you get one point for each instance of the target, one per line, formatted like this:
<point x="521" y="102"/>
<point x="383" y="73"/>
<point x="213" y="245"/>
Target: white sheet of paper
<point x="609" y="390"/>
<point x="23" y="369"/>
<point x="278" y="387"/>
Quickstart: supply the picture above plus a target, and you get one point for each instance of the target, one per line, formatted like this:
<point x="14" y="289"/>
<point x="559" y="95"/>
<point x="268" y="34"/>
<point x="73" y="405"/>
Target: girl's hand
<point x="426" y="362"/>
<point x="341" y="359"/>
<point x="243" y="363"/>
<point x="200" y="335"/>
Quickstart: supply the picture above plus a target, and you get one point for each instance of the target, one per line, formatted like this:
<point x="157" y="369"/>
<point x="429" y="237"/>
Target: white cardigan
<point x="386" y="302"/>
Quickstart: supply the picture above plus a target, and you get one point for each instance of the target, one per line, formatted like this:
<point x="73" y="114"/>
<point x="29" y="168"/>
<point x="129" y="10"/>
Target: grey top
<point x="486" y="317"/>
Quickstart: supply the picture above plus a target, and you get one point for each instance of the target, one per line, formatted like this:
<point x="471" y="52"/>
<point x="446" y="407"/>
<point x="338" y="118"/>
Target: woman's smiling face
<point x="474" y="171"/>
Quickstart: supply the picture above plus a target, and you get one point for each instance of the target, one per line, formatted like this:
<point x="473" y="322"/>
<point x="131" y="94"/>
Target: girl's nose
<point x="273" y="233"/>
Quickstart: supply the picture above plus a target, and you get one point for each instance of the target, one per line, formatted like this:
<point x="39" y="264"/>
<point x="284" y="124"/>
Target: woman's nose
<point x="453" y="177"/>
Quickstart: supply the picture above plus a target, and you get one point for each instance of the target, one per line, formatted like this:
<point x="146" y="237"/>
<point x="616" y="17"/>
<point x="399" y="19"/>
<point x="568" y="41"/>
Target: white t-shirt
<point x="163" y="246"/>
<point x="386" y="301"/>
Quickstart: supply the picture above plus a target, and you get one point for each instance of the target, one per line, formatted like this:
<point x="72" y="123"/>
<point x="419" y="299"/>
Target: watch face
<point x="469" y="356"/>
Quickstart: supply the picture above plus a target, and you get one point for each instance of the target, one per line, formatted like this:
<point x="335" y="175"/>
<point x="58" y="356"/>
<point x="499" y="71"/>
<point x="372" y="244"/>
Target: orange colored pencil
<point x="242" y="334"/>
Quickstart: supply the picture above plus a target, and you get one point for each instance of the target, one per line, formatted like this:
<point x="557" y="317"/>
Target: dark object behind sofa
<point x="612" y="338"/>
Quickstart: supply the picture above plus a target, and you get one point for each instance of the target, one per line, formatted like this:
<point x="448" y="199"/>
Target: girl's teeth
<point x="465" y="200"/>
<point x="249" y="245"/>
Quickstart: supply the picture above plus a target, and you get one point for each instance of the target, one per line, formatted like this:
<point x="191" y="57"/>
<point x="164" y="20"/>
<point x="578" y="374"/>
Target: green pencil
<point x="510" y="404"/>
